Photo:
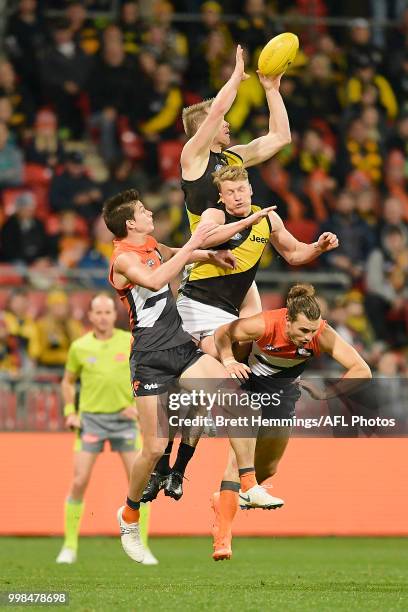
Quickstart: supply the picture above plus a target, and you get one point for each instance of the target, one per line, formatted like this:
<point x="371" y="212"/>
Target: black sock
<point x="230" y="485"/>
<point x="184" y="454"/>
<point x="163" y="465"/>
<point x="135" y="505"/>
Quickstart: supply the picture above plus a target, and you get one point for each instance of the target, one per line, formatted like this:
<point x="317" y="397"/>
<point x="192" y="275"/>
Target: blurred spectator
<point x="109" y="88"/>
<point x="9" y="355"/>
<point x="176" y="42"/>
<point x="398" y="139"/>
<point x="361" y="45"/>
<point x="45" y="148"/>
<point x="55" y="332"/>
<point x="103" y="239"/>
<point x="132" y="26"/>
<point x="170" y="218"/>
<point x="120" y="178"/>
<point x="295" y="101"/>
<point x="74" y="190"/>
<point x="209" y="38"/>
<point x="392" y="216"/>
<point x="365" y="74"/>
<point x="366" y="207"/>
<point x="356" y="317"/>
<point x="20" y="98"/>
<point x="396" y="179"/>
<point x="321" y="91"/>
<point x="64" y="69"/>
<point x="314" y="154"/>
<point x="68" y="242"/>
<point x="359" y="152"/>
<point x="252" y="30"/>
<point x="6" y="110"/>
<point x="25" y="37"/>
<point x="356" y="240"/>
<point x="387" y="288"/>
<point x="84" y="32"/>
<point x="20" y="325"/>
<point x="23" y="236"/>
<point x="11" y="160"/>
<point x="163" y="44"/>
<point x="163" y="106"/>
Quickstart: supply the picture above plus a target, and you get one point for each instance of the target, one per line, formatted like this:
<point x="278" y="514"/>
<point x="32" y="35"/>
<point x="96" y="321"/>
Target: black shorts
<point x="283" y="395"/>
<point x="154" y="372"/>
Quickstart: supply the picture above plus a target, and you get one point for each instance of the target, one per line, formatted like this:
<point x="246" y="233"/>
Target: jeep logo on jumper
<point x="258" y="239"/>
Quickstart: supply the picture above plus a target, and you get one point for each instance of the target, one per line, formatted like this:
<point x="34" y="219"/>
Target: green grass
<point x="265" y="574"/>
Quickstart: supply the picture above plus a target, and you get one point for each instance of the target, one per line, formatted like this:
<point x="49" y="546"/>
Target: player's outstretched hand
<point x="327" y="242"/>
<point x="258" y="216"/>
<point x="239" y="70"/>
<point x="203" y="231"/>
<point x="236" y="369"/>
<point x="73" y="421"/>
<point x="224" y="258"/>
<point x="269" y="82"/>
<point x="130" y="412"/>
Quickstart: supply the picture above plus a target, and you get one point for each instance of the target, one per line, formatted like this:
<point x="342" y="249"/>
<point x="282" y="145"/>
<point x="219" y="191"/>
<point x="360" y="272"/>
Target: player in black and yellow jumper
<point x="212" y="296"/>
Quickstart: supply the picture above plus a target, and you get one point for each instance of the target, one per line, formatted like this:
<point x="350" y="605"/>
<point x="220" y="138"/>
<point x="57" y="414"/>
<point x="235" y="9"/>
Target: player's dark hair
<point x="301" y="300"/>
<point x="119" y="209"/>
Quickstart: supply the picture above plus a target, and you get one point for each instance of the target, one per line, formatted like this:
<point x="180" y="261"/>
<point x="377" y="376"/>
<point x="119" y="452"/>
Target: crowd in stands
<point x="89" y="107"/>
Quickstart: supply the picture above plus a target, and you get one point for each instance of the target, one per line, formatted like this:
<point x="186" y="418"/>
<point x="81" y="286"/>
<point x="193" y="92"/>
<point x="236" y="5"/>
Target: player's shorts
<point x="98" y="427"/>
<point x="154" y="372"/>
<point x="282" y="399"/>
<point x="201" y="320"/>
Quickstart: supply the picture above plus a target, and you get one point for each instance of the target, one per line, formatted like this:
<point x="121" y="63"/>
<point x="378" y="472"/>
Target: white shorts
<point x="201" y="320"/>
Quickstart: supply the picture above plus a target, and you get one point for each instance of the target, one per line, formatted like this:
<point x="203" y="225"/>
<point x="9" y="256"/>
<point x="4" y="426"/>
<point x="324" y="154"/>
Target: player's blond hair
<point x="229" y="173"/>
<point x="302" y="300"/>
<point x="194" y="115"/>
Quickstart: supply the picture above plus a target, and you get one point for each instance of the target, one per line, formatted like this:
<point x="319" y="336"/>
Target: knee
<point x="154" y="450"/>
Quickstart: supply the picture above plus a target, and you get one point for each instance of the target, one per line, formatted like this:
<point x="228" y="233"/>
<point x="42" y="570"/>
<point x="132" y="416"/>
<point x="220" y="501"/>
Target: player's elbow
<point x="366" y="371"/>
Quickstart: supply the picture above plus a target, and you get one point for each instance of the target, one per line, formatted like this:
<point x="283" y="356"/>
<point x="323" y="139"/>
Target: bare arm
<point x="241" y="330"/>
<point x="223" y="258"/>
<point x="72" y="418"/>
<point x="128" y="267"/>
<point x="223" y="232"/>
<point x="194" y="156"/>
<point x="278" y="135"/>
<point x="292" y="250"/>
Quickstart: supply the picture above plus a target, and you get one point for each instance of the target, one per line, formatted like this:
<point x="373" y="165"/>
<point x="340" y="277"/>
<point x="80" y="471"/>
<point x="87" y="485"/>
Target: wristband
<point x="226" y="362"/>
<point x="69" y="409"/>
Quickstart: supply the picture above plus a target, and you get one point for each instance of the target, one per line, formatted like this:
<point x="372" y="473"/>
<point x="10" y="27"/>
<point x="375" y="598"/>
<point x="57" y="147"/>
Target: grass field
<point x="265" y="574"/>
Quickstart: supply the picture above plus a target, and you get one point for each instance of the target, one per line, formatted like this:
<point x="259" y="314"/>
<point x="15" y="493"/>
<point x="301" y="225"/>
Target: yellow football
<point x="278" y="54"/>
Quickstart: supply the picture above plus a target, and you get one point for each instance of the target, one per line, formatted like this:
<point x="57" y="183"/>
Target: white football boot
<point x="67" y="555"/>
<point x="149" y="558"/>
<point x="130" y="538"/>
<point x="257" y="497"/>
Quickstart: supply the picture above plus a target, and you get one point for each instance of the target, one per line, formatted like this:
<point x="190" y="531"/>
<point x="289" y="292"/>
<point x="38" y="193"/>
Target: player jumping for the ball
<point x="283" y="341"/>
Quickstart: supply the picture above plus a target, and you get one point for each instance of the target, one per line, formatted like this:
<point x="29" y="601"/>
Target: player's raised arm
<point x="129" y="266"/>
<point x="241" y="330"/>
<point x="278" y="135"/>
<point x="223" y="257"/>
<point x="292" y="250"/>
<point x="194" y="156"/>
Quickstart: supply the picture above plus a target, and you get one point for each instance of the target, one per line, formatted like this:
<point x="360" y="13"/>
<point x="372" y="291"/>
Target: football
<point x="278" y="54"/>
